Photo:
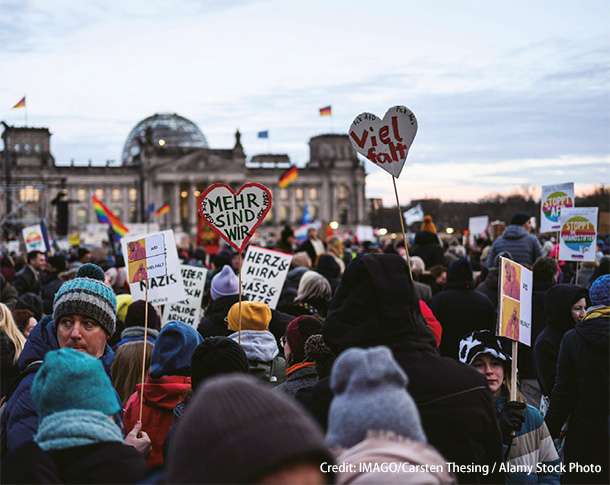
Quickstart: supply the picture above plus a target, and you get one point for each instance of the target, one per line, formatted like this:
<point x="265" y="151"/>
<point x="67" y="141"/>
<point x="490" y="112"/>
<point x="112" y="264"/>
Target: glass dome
<point x="169" y="132"/>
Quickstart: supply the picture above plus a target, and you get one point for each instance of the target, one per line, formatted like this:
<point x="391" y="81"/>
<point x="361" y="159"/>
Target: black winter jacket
<point x="375" y="305"/>
<point x="428" y="248"/>
<point x="214" y="325"/>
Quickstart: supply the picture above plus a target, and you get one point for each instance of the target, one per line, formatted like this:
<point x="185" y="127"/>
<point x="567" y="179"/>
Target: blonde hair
<point x="126" y="367"/>
<point x="506" y="386"/>
<point x="9" y="328"/>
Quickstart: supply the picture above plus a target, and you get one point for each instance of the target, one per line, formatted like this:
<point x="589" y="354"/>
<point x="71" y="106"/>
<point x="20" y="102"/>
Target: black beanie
<point x="136" y="313"/>
<point x="235" y="430"/>
<point x="215" y="356"/>
<point x="520" y="218"/>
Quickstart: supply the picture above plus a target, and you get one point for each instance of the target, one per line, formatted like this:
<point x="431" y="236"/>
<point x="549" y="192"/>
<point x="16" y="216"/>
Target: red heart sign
<point x="385" y="142"/>
<point x="233" y="216"/>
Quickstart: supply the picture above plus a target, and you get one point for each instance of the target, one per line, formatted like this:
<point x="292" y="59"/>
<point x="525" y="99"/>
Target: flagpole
<point x="26" y="115"/>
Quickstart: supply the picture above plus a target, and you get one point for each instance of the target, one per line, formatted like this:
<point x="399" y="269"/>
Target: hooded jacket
<point x="376" y="305"/>
<point x="558" y="302"/>
<point x="524" y="247"/>
<point x="428" y="248"/>
<point x="461" y="310"/>
<point x="581" y="392"/>
<point x="165" y="386"/>
<point x="20" y="418"/>
<point x="214" y="324"/>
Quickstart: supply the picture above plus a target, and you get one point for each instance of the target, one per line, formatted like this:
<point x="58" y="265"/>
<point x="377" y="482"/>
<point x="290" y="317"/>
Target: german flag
<point x="164" y="209"/>
<point x="288" y="176"/>
<point x="326" y="111"/>
<point x="20" y="104"/>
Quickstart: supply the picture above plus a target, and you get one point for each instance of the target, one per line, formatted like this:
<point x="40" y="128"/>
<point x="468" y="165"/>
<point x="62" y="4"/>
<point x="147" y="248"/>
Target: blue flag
<point x="150" y="208"/>
<point x="306" y="215"/>
<point x="263" y="134"/>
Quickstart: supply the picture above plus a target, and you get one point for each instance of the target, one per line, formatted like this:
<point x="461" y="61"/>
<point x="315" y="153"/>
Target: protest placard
<point x="263" y="274"/>
<point x="189" y="309"/>
<point x="578" y="234"/>
<point x="515" y="312"/>
<point x="235" y="216"/>
<point x="477" y="225"/>
<point x="554" y="199"/>
<point x="162" y="289"/>
<point x="34" y="238"/>
<point x="385" y="142"/>
<point x="146" y="257"/>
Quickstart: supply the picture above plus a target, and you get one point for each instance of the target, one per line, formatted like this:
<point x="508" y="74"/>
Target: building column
<point x="192" y="209"/>
<point x="174" y="206"/>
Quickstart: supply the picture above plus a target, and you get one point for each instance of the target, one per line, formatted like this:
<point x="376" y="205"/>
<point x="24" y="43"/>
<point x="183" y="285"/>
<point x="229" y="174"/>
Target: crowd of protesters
<point x="374" y="367"/>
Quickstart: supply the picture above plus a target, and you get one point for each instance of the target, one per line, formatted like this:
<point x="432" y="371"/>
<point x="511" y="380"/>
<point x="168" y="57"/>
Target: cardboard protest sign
<point x="34" y="238"/>
<point x="164" y="288"/>
<point x="146" y="257"/>
<point x="578" y="234"/>
<point x="235" y="216"/>
<point x="554" y="199"/>
<point x="478" y="225"/>
<point x="515" y="312"/>
<point x="263" y="274"/>
<point x="385" y="142"/>
<point x="189" y="309"/>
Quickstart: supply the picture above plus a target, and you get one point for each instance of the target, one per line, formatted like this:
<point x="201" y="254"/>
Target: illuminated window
<point x="314" y="212"/>
<point x="37" y="147"/>
<point x="116" y="194"/>
<point x="81" y="217"/>
<point x="283" y="213"/>
<point x="99" y="193"/>
<point x="299" y="194"/>
<point x="269" y="217"/>
<point x="133" y="214"/>
<point x="17" y="147"/>
<point x="118" y="211"/>
<point x="133" y="196"/>
<point x="313" y="193"/>
<point x="27" y="147"/>
<point x="81" y="194"/>
<point x="342" y="192"/>
<point x="29" y="194"/>
<point x="283" y="194"/>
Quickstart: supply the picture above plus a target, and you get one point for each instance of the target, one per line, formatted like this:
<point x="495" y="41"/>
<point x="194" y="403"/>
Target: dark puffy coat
<point x="48" y="291"/>
<point x="581" y="392"/>
<point x="107" y="462"/>
<point x="523" y="246"/>
<point x="20" y="419"/>
<point x="489" y="286"/>
<point x="26" y="281"/>
<point x="428" y="248"/>
<point x="558" y="302"/>
<point x="461" y="310"/>
<point x="375" y="305"/>
<point x="8" y="294"/>
<point x="214" y="325"/>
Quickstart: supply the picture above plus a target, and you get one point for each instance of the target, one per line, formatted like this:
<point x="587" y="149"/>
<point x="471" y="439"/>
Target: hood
<point x="179" y="411"/>
<point x="425" y="237"/>
<point x="165" y="392"/>
<point x="258" y="345"/>
<point x="138" y="332"/>
<point x="42" y="339"/>
<point x="558" y="303"/>
<point x="294" y="277"/>
<point x="459" y="275"/>
<point x="328" y="266"/>
<point x="514" y="232"/>
<point x="594" y="328"/>
<point x="501" y="254"/>
<point x="375" y="304"/>
<point x="173" y="350"/>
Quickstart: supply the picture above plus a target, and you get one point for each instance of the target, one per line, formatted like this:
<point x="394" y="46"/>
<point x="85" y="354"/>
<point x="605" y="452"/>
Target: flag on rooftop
<point x="288" y="176"/>
<point x="414" y="214"/>
<point x="263" y="134"/>
<point x="150" y="208"/>
<point x="326" y="111"/>
<point x="20" y="104"/>
<point x="164" y="209"/>
<point x="106" y="216"/>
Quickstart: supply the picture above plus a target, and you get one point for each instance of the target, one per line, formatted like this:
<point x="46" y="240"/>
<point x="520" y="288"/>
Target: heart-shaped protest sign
<point x="385" y="142"/>
<point x="235" y="216"/>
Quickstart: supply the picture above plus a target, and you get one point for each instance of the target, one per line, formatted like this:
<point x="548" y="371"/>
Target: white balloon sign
<point x="385" y="142"/>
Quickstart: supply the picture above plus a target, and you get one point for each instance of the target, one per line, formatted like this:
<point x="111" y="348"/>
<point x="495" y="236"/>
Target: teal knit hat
<point x="87" y="295"/>
<point x="69" y="379"/>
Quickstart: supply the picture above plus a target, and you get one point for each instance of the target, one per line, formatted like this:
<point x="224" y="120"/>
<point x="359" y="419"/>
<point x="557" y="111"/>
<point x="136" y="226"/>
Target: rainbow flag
<point x="288" y="176"/>
<point x="164" y="209"/>
<point x="20" y="104"/>
<point x="105" y="216"/>
<point x="326" y="111"/>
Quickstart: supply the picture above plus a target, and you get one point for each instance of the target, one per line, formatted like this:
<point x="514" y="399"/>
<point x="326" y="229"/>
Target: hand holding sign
<point x="233" y="216"/>
<point x="385" y="142"/>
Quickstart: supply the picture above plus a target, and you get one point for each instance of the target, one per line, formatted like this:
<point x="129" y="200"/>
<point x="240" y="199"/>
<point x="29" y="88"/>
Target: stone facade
<point x="331" y="182"/>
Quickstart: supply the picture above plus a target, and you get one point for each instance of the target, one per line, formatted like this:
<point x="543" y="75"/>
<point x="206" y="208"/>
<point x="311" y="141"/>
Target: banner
<point x="263" y="273"/>
<point x="146" y="257"/>
<point x="554" y="199"/>
<point x="34" y="239"/>
<point x="161" y="289"/>
<point x="189" y="309"/>
<point x="578" y="234"/>
<point x="515" y="311"/>
<point x="413" y="215"/>
<point x="478" y="225"/>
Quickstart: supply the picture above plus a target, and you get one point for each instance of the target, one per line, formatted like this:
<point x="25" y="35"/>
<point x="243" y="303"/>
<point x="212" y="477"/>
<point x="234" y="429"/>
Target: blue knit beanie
<point x="370" y="394"/>
<point x="87" y="295"/>
<point x="599" y="293"/>
<point x="224" y="283"/>
<point x="69" y="379"/>
<point x="173" y="350"/>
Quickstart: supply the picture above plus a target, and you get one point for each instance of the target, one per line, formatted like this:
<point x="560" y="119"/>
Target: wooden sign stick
<point x="558" y="247"/>
<point x="402" y="225"/>
<point x="513" y="373"/>
<point x="144" y="349"/>
<point x="239" y="306"/>
<point x="576" y="277"/>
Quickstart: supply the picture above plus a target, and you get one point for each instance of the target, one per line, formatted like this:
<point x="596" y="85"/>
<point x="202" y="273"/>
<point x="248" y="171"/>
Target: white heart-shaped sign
<point x="233" y="216"/>
<point x="385" y="142"/>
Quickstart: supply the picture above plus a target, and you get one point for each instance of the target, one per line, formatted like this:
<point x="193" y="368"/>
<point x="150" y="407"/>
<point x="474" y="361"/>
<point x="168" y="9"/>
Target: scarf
<point x="76" y="427"/>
